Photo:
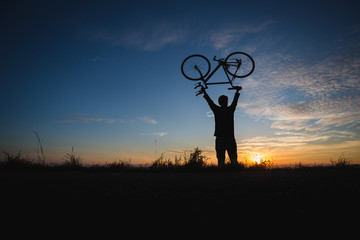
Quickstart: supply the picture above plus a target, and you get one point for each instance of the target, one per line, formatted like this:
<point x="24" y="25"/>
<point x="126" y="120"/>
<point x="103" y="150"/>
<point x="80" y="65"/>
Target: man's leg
<point x="220" y="151"/>
<point x="232" y="151"/>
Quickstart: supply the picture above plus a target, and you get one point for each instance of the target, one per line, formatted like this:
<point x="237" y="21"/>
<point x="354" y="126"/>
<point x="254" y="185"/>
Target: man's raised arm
<point x="235" y="100"/>
<point x="209" y="101"/>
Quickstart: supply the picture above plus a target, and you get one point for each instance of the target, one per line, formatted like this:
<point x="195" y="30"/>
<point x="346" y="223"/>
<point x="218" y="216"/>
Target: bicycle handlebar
<point x="218" y="60"/>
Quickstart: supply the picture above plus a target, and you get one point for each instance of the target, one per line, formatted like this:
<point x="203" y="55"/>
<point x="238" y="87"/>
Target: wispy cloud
<point x="289" y="146"/>
<point x="298" y="95"/>
<point x="153" y="36"/>
<point x="149" y="120"/>
<point x="160" y="134"/>
<point x="84" y="119"/>
<point x="148" y="37"/>
<point x="229" y="36"/>
<point x="283" y="141"/>
<point x="210" y="114"/>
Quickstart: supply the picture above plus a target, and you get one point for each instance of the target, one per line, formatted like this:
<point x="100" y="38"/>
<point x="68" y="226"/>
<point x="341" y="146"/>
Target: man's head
<point x="223" y="101"/>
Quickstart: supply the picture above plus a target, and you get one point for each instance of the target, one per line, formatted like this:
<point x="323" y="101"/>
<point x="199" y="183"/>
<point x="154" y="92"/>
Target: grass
<point x="264" y="164"/>
<point x="16" y="161"/>
<point x="39" y="150"/>
<point x="341" y="162"/>
<point x="72" y="160"/>
<point x="194" y="160"/>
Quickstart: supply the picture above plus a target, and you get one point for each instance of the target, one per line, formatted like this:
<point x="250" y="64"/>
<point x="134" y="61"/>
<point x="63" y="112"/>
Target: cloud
<point x="160" y="134"/>
<point x="153" y="36"/>
<point x="149" y="120"/>
<point x="210" y="114"/>
<point x="289" y="140"/>
<point x="282" y="141"/>
<point x="311" y="102"/>
<point x="228" y="36"/>
<point x="304" y="95"/>
<point x="289" y="146"/>
<point x="148" y="37"/>
<point x="84" y="119"/>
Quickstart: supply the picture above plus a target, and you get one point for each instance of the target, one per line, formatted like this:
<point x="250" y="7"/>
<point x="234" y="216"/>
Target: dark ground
<point x="301" y="197"/>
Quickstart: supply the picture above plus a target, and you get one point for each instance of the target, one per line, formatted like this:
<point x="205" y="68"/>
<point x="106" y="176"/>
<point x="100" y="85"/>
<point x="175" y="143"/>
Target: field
<point x="192" y="198"/>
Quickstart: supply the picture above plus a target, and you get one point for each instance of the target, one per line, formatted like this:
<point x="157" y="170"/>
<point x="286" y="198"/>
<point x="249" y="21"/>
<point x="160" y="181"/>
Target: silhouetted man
<point x="224" y="127"/>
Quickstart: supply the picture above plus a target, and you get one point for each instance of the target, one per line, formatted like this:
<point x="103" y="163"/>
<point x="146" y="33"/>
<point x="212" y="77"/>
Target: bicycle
<point x="236" y="64"/>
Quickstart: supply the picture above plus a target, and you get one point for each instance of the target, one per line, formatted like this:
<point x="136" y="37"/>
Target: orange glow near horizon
<point x="278" y="157"/>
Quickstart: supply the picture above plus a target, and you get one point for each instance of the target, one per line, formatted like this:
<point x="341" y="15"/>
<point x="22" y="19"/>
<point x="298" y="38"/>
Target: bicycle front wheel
<point x="239" y="64"/>
<point x="195" y="67"/>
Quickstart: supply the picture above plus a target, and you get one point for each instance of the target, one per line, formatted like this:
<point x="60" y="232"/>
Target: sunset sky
<point x="104" y="77"/>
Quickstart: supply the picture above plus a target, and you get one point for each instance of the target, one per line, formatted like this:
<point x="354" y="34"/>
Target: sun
<point x="257" y="157"/>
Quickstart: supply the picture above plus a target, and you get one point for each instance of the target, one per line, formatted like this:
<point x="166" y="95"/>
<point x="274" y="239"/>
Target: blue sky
<point x="104" y="77"/>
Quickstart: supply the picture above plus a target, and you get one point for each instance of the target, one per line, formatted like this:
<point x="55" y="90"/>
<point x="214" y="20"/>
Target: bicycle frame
<point x="221" y="63"/>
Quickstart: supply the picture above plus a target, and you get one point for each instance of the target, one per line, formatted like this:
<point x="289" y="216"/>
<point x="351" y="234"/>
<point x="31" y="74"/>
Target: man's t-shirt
<point x="224" y="117"/>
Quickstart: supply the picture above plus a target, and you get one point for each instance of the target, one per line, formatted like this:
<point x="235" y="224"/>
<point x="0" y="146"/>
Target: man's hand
<point x="201" y="91"/>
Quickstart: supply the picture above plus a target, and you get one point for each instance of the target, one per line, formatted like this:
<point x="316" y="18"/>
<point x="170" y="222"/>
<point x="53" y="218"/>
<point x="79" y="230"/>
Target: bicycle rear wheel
<point x="193" y="65"/>
<point x="239" y="64"/>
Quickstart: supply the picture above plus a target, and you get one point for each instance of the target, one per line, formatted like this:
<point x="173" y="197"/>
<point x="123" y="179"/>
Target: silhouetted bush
<point x="196" y="160"/>
<point x="265" y="164"/>
<point x="341" y="162"/>
<point x="119" y="165"/>
<point x="15" y="161"/>
<point x="162" y="163"/>
<point x="72" y="160"/>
